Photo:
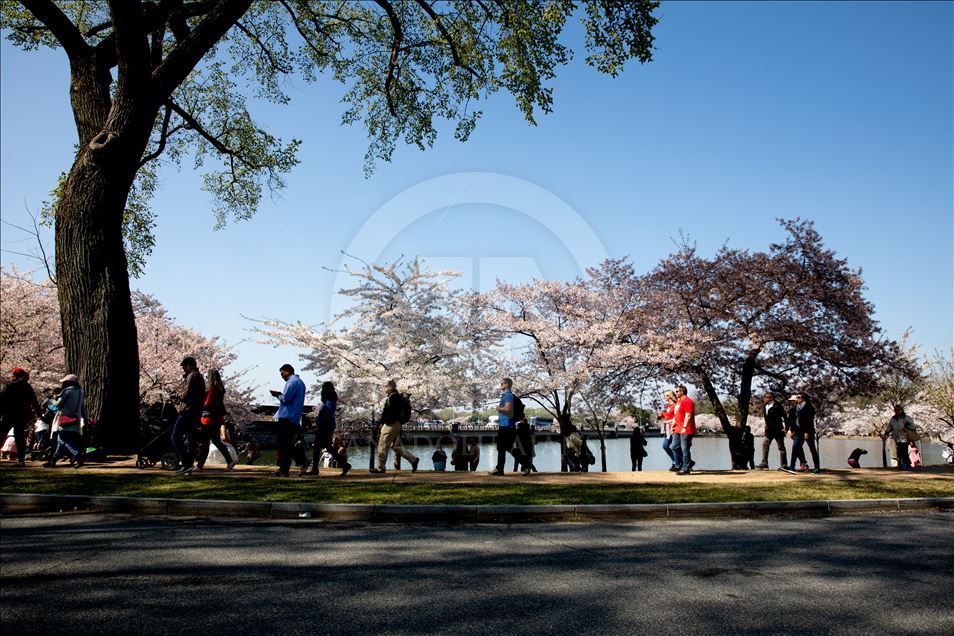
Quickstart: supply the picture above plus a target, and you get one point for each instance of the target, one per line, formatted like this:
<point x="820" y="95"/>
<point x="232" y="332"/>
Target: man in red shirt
<point x="684" y="427"/>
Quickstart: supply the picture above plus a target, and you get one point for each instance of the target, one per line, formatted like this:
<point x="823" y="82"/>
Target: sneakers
<point x="817" y="471"/>
<point x="691" y="464"/>
<point x="304" y="468"/>
<point x="345" y="469"/>
<point x="495" y="472"/>
<point x="376" y="471"/>
<point x="417" y="460"/>
<point x="78" y="462"/>
<point x="803" y="468"/>
<point x="230" y="465"/>
<point x="683" y="472"/>
<point x="279" y="473"/>
<point x="788" y="470"/>
<point x="673" y="469"/>
<point x="526" y="472"/>
<point x="185" y="470"/>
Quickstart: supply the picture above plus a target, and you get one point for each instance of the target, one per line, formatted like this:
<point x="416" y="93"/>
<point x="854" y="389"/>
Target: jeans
<point x="183" y="437"/>
<point x="779" y="439"/>
<point x="70" y="441"/>
<point x="505" y="438"/>
<point x="798" y="452"/>
<point x="904" y="459"/>
<point x="667" y="446"/>
<point x="683" y="441"/>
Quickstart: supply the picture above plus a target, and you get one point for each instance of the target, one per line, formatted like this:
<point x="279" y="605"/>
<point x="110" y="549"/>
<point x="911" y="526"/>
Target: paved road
<point x="94" y="573"/>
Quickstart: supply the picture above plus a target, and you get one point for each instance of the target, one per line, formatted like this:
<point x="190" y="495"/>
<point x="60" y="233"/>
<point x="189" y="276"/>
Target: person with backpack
<point x="506" y="427"/>
<point x="396" y="412"/>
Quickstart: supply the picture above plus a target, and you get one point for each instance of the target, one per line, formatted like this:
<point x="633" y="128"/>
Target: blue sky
<point x="842" y="113"/>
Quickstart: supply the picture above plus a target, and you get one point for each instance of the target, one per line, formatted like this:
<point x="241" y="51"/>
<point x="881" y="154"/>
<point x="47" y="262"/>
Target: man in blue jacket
<point x="291" y="401"/>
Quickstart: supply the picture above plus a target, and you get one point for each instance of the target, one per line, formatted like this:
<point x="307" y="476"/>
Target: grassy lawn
<point x="501" y="492"/>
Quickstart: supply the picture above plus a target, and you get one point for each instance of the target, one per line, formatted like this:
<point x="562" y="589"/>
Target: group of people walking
<point x="19" y="408"/>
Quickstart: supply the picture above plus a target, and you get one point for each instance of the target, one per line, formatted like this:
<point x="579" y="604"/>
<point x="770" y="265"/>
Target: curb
<point x="16" y="502"/>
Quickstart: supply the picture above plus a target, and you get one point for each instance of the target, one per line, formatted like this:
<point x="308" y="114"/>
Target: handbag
<point x="912" y="435"/>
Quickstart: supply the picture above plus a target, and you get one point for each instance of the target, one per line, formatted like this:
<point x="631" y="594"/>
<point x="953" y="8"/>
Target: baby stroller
<point x="158" y="449"/>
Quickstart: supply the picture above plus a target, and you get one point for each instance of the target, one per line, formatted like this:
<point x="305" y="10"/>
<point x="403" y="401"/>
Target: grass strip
<point x="237" y="488"/>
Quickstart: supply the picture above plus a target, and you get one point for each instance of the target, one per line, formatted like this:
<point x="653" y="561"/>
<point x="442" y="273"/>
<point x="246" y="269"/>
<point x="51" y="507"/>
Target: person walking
<point x="805" y="433"/>
<point x="791" y="429"/>
<point x="213" y="422"/>
<point x="668" y="416"/>
<point x="291" y="402"/>
<point x="897" y="428"/>
<point x="773" y="412"/>
<point x="684" y="428"/>
<point x="325" y="430"/>
<point x="396" y="411"/>
<point x="71" y="409"/>
<point x="636" y="451"/>
<point x="190" y="399"/>
<point x="506" y="428"/>
<point x="523" y="453"/>
<point x="18" y="407"/>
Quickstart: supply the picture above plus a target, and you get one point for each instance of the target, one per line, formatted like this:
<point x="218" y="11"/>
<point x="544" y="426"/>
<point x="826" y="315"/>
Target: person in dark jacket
<point x="18" y="408"/>
<point x="460" y="458"/>
<point x="637" y="441"/>
<point x="325" y="430"/>
<point x="804" y="433"/>
<point x="773" y="412"/>
<point x="71" y="407"/>
<point x="854" y="459"/>
<point x="191" y="398"/>
<point x="748" y="447"/>
<point x="791" y="429"/>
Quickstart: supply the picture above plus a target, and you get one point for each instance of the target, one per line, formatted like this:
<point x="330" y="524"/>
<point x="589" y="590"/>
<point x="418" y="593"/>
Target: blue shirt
<point x="506" y="398"/>
<point x="292" y="400"/>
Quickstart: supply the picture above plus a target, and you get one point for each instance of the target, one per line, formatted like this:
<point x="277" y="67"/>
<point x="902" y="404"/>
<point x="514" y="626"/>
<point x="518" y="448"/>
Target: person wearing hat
<point x="18" y="407"/>
<point x="71" y="409"/>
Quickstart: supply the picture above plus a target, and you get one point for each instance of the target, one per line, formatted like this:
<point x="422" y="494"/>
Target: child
<point x="914" y="455"/>
<point x="853" y="459"/>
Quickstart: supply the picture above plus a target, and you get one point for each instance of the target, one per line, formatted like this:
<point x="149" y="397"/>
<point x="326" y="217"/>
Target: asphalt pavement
<point x="89" y="573"/>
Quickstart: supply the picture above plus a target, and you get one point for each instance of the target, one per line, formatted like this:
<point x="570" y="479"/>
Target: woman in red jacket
<point x="213" y="420"/>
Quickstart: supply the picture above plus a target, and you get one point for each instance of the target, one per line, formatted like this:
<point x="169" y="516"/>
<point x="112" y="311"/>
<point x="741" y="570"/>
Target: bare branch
<point x="212" y="139"/>
<point x="264" y="49"/>
<point x="163" y="137"/>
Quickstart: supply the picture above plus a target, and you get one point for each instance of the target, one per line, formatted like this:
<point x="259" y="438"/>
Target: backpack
<point x="518" y="409"/>
<point x="404" y="408"/>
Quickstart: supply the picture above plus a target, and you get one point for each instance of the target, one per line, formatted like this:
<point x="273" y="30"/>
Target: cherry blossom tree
<point x="567" y="336"/>
<point x="792" y="318"/>
<point x="404" y="323"/>
<point x="30" y="333"/>
<point x="939" y="392"/>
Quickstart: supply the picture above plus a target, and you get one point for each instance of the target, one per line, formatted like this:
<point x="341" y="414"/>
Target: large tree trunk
<point x="733" y="433"/>
<point x="99" y="329"/>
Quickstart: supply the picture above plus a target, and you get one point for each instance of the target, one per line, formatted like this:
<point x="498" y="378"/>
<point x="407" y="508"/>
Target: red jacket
<point x="685" y="423"/>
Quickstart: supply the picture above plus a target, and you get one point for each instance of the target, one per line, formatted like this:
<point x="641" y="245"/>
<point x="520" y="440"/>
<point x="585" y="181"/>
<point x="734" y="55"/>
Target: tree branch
<point x="264" y="49"/>
<point x="455" y="54"/>
<point x="212" y="139"/>
<point x="164" y="135"/>
<point x="395" y="51"/>
<point x="187" y="54"/>
<point x="62" y="28"/>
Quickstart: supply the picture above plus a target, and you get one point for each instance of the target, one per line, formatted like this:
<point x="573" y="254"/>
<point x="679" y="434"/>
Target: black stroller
<point x="157" y="424"/>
